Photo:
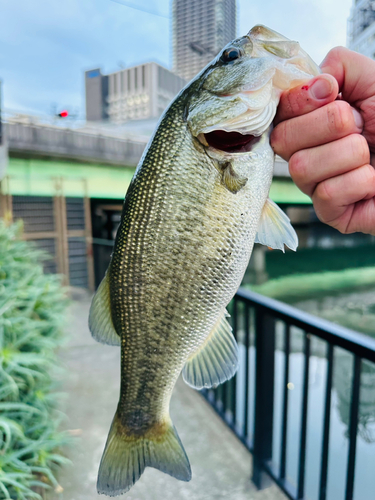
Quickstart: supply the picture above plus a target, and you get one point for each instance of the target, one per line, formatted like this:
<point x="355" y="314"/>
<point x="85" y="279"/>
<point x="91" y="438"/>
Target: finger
<point x="355" y="74"/>
<point x="362" y="217"/>
<point x="334" y="198"/>
<point x="311" y="166"/>
<point x="305" y="98"/>
<point x="329" y="123"/>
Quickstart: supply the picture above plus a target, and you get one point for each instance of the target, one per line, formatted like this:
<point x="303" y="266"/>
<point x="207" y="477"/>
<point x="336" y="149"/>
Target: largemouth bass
<point x="197" y="203"/>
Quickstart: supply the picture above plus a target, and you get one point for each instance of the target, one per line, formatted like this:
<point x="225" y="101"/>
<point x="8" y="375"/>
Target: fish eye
<point x="230" y="55"/>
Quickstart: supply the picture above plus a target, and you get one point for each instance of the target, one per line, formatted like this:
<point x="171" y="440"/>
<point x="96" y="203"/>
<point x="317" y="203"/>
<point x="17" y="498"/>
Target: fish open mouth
<point x="230" y="142"/>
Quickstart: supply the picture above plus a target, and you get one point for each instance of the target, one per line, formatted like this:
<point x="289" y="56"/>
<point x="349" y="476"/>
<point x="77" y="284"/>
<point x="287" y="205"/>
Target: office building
<point x="201" y="28"/>
<point x="96" y="87"/>
<point x="361" y="28"/>
<point x="139" y="92"/>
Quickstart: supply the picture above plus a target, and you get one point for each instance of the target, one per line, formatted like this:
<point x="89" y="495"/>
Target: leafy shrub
<point x="32" y="307"/>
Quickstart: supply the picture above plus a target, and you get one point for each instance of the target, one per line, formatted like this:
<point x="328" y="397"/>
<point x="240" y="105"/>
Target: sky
<point x="46" y="45"/>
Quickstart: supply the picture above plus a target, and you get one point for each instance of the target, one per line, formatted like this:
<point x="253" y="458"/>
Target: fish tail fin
<point x="127" y="455"/>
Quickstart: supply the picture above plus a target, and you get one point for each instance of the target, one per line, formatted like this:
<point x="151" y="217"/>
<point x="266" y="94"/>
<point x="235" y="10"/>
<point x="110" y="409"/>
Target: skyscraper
<point x="361" y="27"/>
<point x="201" y="28"/>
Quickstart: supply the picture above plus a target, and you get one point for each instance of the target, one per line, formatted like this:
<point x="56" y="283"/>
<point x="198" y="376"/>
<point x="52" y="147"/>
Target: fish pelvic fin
<point x="126" y="455"/>
<point x="216" y="361"/>
<point x="100" y="319"/>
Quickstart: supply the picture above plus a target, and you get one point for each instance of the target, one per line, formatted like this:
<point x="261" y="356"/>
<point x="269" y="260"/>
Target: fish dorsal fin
<point x="275" y="229"/>
<point x="100" y="319"/>
<point x="217" y="359"/>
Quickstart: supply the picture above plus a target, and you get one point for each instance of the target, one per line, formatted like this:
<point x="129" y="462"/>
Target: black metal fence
<point x="256" y="402"/>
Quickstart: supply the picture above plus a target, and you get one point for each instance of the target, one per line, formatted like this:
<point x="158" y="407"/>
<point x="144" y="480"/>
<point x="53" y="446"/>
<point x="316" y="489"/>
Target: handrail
<point x="254" y="316"/>
<point x="353" y="341"/>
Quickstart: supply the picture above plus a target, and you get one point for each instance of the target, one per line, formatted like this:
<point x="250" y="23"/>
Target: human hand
<point x="329" y="140"/>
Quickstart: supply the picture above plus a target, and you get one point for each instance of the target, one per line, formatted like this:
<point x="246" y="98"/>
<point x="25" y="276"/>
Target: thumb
<point x="304" y="98"/>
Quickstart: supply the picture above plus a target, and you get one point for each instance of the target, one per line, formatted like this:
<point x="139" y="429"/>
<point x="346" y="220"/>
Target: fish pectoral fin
<point x="100" y="319"/>
<point x="216" y="361"/>
<point x="126" y="455"/>
<point x="231" y="180"/>
<point x="275" y="229"/>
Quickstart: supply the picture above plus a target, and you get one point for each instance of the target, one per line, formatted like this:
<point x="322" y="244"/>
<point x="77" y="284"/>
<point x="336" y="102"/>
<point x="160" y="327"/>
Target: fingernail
<point x="358" y="118"/>
<point x="321" y="89"/>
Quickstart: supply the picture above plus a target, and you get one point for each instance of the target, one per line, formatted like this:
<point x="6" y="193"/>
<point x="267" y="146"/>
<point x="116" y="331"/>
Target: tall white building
<point x="201" y="28"/>
<point x="361" y="28"/>
<point x="139" y="92"/>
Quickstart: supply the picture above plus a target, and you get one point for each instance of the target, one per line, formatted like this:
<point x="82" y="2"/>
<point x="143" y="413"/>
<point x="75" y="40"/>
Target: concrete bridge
<point x="38" y="139"/>
<point x="47" y="141"/>
<point x="68" y="184"/>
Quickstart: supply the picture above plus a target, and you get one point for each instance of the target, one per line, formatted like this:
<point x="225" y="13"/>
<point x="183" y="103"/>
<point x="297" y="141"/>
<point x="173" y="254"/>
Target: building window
<point x="144" y="76"/>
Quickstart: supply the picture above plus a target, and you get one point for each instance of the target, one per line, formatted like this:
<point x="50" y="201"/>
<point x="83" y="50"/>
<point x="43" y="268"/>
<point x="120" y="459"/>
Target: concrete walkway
<point x="221" y="465"/>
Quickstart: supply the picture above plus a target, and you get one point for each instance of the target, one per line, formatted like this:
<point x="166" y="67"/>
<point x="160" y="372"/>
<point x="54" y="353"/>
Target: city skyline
<point x="46" y="47"/>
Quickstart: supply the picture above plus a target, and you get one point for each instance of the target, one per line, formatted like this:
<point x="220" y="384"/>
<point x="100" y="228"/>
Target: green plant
<point x="32" y="307"/>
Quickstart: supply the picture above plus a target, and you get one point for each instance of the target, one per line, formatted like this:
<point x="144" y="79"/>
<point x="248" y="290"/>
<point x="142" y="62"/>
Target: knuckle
<point x="298" y="166"/>
<point x="340" y="117"/>
<point x="280" y="140"/>
<point x="334" y="55"/>
<point x="337" y="52"/>
<point x="369" y="176"/>
<point x="294" y="103"/>
<point x="342" y="223"/>
<point x="323" y="193"/>
<point x="359" y="149"/>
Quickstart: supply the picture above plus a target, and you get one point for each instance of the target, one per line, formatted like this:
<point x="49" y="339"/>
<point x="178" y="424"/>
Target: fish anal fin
<point x="275" y="229"/>
<point x="126" y="455"/>
<point x="216" y="361"/>
<point x="100" y="319"/>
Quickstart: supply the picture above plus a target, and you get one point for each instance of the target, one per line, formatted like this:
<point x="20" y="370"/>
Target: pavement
<point x="221" y="465"/>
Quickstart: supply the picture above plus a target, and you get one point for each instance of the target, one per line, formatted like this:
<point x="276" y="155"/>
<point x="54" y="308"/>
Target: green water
<point x="331" y="276"/>
<point x="317" y="260"/>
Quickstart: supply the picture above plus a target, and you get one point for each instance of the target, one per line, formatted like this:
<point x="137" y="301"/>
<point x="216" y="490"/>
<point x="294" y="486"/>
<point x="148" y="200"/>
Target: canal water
<point x="332" y="276"/>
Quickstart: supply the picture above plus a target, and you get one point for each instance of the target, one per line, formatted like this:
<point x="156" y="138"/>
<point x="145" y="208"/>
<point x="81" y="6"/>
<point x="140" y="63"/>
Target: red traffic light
<point x="63" y="114"/>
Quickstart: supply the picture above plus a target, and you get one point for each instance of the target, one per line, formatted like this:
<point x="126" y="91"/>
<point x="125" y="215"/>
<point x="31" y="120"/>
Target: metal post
<point x="88" y="235"/>
<point x="62" y="250"/>
<point x="284" y="425"/>
<point x="304" y="411"/>
<point x="353" y="427"/>
<point x="264" y="395"/>
<point x="327" y="423"/>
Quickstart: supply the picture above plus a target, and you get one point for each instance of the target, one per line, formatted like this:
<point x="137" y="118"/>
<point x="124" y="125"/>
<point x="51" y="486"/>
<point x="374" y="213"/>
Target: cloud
<point x="318" y="25"/>
<point x="45" y="45"/>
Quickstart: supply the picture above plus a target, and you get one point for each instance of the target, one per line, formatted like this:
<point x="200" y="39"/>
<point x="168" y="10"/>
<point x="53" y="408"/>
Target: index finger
<point x="355" y="74"/>
<point x="304" y="98"/>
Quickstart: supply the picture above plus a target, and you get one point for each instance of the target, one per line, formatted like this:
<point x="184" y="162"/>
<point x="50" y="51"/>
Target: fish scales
<point x="195" y="207"/>
<point x="152" y="308"/>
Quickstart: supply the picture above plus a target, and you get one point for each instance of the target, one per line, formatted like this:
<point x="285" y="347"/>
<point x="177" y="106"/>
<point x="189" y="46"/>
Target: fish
<point x="196" y="204"/>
